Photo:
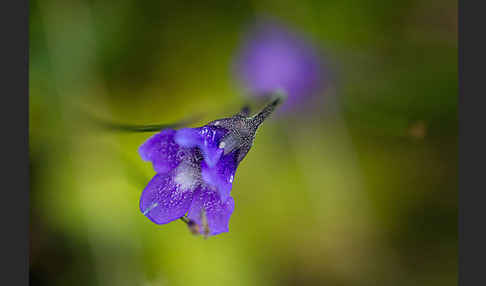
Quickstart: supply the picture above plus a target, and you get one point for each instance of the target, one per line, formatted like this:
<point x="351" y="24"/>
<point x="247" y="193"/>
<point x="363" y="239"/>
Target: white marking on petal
<point x="150" y="208"/>
<point x="186" y="176"/>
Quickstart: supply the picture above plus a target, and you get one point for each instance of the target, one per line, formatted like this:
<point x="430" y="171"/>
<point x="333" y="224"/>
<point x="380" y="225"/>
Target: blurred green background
<point x="364" y="192"/>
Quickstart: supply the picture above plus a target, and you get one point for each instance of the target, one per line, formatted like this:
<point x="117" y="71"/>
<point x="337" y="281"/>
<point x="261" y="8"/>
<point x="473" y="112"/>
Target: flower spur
<point x="195" y="171"/>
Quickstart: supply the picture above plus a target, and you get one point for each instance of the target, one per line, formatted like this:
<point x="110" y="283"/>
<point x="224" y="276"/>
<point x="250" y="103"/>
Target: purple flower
<point x="273" y="57"/>
<point x="195" y="170"/>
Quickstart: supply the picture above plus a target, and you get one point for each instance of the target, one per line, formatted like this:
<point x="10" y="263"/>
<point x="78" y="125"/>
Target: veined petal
<point x="207" y="209"/>
<point x="168" y="196"/>
<point x="221" y="176"/>
<point x="162" y="151"/>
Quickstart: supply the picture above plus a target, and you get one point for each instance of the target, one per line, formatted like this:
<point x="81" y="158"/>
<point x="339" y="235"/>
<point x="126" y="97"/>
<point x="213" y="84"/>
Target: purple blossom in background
<point x="195" y="170"/>
<point x="274" y="57"/>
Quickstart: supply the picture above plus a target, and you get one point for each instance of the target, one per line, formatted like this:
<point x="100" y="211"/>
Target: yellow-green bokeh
<point x="363" y="192"/>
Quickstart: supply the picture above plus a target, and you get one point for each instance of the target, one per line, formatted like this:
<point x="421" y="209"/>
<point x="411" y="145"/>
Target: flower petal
<point x="188" y="137"/>
<point x="207" y="209"/>
<point x="220" y="177"/>
<point x="162" y="151"/>
<point x="168" y="196"/>
<point x="206" y="138"/>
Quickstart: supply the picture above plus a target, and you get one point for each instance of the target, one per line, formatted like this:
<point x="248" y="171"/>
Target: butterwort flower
<point x="274" y="57"/>
<point x="195" y="171"/>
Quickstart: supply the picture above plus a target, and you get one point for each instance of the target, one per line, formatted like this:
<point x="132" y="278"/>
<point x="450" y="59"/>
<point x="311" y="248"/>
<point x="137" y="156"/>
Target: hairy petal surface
<point x="168" y="196"/>
<point x="208" y="209"/>
<point x="161" y="149"/>
<point x="206" y="138"/>
<point x="221" y="176"/>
